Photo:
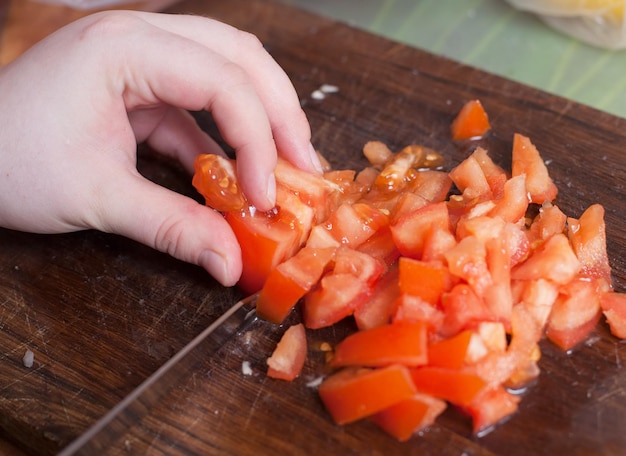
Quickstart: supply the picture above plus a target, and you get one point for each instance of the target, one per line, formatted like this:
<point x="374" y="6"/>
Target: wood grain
<point x="101" y="313"/>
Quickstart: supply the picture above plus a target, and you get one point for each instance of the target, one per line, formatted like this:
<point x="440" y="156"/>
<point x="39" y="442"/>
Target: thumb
<point x="174" y="224"/>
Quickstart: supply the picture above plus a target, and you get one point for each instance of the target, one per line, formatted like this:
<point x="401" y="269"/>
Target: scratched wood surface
<point x="101" y="313"/>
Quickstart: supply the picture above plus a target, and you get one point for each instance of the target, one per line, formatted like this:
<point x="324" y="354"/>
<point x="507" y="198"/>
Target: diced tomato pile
<point x="451" y="282"/>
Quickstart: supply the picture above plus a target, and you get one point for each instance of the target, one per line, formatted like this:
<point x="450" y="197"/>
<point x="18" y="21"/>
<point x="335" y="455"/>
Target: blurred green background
<point x="493" y="36"/>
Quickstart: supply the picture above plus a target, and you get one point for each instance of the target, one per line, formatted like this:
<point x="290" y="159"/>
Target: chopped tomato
<point x="431" y="185"/>
<point x="427" y="280"/>
<point x="405" y="418"/>
<point x="361" y="265"/>
<point x="414" y="308"/>
<point x="377" y="310"/>
<point x="614" y="308"/>
<point x="468" y="260"/>
<point x="290" y="281"/>
<point x="470" y="179"/>
<point x="453" y="385"/>
<point x="471" y="121"/>
<point x="451" y="293"/>
<point x="588" y="238"/>
<point x="495" y="175"/>
<point x="353" y="224"/>
<point x="356" y="393"/>
<point x="528" y="162"/>
<point x="337" y="296"/>
<point x="398" y="343"/>
<point x="289" y="355"/>
<point x="412" y="230"/>
<point x="491" y="407"/>
<point x="450" y="352"/>
<point x="575" y="313"/>
<point x="553" y="260"/>
<point x="266" y="240"/>
<point x="463" y="309"/>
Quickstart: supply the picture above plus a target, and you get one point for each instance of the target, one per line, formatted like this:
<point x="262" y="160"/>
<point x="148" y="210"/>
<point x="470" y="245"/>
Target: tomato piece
<point x="312" y="189"/>
<point x="614" y="307"/>
<point x="437" y="242"/>
<point x="431" y="185"/>
<point x="265" y="242"/>
<point x="513" y="204"/>
<point x="495" y="175"/>
<point x="321" y="238"/>
<point x="289" y="356"/>
<point x="471" y="122"/>
<point x="450" y="352"/>
<point x="215" y="178"/>
<point x="398" y="343"/>
<point x="553" y="260"/>
<point x="468" y="260"/>
<point x="491" y="407"/>
<point x="550" y="221"/>
<point x="381" y="246"/>
<point x="470" y="179"/>
<point x="353" y="224"/>
<point x="455" y="386"/>
<point x="337" y="296"/>
<point x="588" y="238"/>
<point x="364" y="267"/>
<point x="355" y="393"/>
<point x="574" y="314"/>
<point x="411" y="231"/>
<point x="405" y="418"/>
<point x="528" y="162"/>
<point x="377" y="310"/>
<point x="290" y="281"/>
<point x="463" y="309"/>
<point x="414" y="308"/>
<point x="538" y="297"/>
<point x="425" y="280"/>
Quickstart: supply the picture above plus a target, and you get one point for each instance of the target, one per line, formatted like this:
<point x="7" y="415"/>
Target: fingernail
<point x="271" y="190"/>
<point x="315" y="159"/>
<point x="216" y="265"/>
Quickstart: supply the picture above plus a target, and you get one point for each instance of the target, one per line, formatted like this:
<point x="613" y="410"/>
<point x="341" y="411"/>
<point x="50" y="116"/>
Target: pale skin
<point x="74" y="107"/>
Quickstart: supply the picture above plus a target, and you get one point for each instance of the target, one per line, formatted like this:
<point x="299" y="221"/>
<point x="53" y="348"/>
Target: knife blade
<point x="102" y="434"/>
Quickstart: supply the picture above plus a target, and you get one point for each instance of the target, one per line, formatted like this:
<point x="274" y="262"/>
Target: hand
<point x="74" y="107"/>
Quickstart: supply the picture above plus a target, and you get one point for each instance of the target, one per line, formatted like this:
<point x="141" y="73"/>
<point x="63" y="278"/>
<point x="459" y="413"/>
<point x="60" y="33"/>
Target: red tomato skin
<point x="289" y="356"/>
<point x="290" y="281"/>
<point x="457" y="387"/>
<point x="405" y="418"/>
<point x="353" y="394"/>
<point x="427" y="280"/>
<point x="261" y="249"/>
<point x="398" y="343"/>
<point x="451" y="352"/>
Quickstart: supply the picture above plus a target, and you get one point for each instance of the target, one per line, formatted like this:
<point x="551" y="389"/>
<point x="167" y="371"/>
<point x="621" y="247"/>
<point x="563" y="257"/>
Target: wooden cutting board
<point x="101" y="313"/>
